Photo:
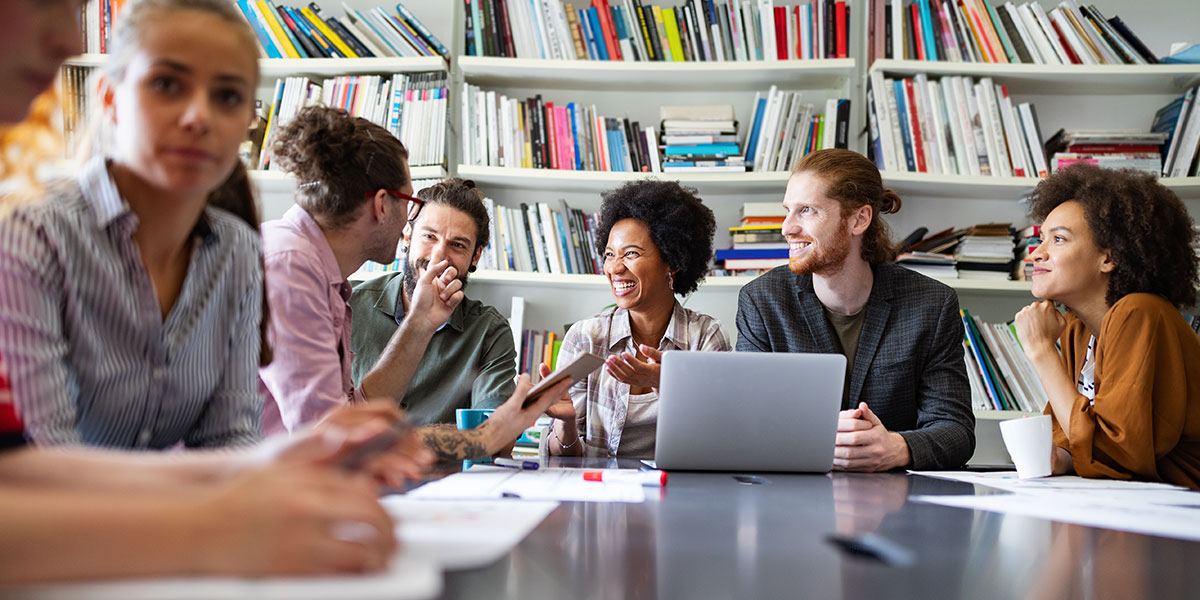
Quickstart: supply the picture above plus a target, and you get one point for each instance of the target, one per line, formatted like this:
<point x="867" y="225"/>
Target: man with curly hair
<point x="906" y="402"/>
<point x="354" y="201"/>
<point x="1125" y="393"/>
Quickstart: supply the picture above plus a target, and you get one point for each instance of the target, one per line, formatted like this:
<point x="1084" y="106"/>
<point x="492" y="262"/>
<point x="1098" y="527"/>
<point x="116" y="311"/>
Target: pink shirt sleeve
<point x="305" y="379"/>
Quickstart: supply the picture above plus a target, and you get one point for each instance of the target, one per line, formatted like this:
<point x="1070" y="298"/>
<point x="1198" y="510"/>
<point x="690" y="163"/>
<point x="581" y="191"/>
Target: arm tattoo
<point x="449" y="443"/>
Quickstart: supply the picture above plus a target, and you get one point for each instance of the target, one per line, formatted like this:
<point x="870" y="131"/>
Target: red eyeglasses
<point x="414" y="203"/>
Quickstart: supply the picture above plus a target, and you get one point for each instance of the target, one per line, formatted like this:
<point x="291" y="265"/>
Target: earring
<point x="671" y="280"/>
<point x="471" y="269"/>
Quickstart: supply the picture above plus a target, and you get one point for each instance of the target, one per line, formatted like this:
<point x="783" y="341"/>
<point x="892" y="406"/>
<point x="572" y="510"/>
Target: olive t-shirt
<point x="846" y="330"/>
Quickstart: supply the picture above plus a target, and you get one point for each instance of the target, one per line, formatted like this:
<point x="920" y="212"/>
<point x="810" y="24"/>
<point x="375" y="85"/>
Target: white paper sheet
<point x="1151" y="519"/>
<point x="463" y="534"/>
<point x="1110" y="491"/>
<point x="410" y="577"/>
<point x="481" y="482"/>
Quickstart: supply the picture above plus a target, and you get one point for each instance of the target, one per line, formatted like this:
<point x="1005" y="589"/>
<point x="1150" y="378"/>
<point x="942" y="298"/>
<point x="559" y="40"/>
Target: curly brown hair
<point x="854" y="181"/>
<point x="339" y="160"/>
<point x="1142" y="224"/>
<point x="681" y="226"/>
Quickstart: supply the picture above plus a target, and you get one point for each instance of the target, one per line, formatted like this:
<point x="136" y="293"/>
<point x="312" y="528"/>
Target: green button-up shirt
<point x="470" y="362"/>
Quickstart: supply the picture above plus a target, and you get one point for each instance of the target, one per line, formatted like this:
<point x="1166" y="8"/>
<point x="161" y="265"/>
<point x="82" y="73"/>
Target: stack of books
<point x="1109" y="149"/>
<point x="986" y="252"/>
<point x="535" y="134"/>
<point x="536" y="238"/>
<point x="952" y="126"/>
<point x="1180" y="121"/>
<point x="986" y="31"/>
<point x="929" y="264"/>
<point x="628" y="30"/>
<point x="700" y="138"/>
<point x="1028" y="240"/>
<point x="785" y="128"/>
<point x="410" y="106"/>
<point x="758" y="242"/>
<point x="305" y="32"/>
<point x="1001" y="376"/>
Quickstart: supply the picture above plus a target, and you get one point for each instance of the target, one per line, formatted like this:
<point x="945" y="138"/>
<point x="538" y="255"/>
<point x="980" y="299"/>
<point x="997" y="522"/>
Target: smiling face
<point x="440" y="233"/>
<point x="183" y="104"/>
<point x="1068" y="265"/>
<point x="636" y="271"/>
<point x="36" y="36"/>
<point x="818" y="235"/>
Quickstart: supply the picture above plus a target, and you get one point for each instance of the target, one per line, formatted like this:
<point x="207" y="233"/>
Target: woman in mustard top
<point x="1117" y="252"/>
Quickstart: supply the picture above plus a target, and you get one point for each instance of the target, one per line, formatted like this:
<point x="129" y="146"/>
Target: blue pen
<point x="512" y="463"/>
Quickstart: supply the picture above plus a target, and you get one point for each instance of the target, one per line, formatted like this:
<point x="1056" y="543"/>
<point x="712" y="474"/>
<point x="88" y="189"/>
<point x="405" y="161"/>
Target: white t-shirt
<point x="1086" y="384"/>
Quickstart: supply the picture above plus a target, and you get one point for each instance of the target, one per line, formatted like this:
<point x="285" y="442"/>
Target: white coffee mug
<point x="1029" y="442"/>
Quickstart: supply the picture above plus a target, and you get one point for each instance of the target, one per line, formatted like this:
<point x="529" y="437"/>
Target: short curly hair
<point x="337" y="160"/>
<point x="1144" y="226"/>
<point x="681" y="226"/>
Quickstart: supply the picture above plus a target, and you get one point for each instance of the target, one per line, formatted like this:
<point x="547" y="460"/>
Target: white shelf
<point x="956" y="186"/>
<point x="598" y="181"/>
<point x="275" y="182"/>
<point x="280" y="67"/>
<point x="1073" y="80"/>
<point x="1002" y="415"/>
<point x="622" y="75"/>
<point x="973" y="186"/>
<point x="598" y="282"/>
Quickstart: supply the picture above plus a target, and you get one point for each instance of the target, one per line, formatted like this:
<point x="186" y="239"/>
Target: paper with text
<point x="463" y="534"/>
<point x="482" y="482"/>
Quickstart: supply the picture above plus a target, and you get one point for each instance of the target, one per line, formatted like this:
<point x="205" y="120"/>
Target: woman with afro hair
<point x="656" y="238"/>
<point x="1125" y="393"/>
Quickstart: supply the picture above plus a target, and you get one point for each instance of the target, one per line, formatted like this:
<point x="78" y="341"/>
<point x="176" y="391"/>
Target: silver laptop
<point x="748" y="411"/>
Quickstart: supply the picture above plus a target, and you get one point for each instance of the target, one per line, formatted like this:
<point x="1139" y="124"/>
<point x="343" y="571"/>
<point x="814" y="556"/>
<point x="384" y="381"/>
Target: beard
<point x="827" y="257"/>
<point x="410" y="274"/>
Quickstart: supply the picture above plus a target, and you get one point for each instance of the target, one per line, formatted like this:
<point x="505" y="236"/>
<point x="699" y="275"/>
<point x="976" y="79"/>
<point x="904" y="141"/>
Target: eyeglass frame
<point x="402" y="196"/>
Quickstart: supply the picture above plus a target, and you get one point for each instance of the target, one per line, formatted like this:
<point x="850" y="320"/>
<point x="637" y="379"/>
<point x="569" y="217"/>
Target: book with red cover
<point x="606" y="25"/>
<point x="918" y="35"/>
<point x="840" y="29"/>
<point x="551" y="134"/>
<point x="781" y="49"/>
<point x="506" y="29"/>
<point x="1113" y="148"/>
<point x="1066" y="45"/>
<point x="918" y="145"/>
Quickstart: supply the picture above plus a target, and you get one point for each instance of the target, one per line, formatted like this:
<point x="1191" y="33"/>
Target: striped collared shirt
<point x="89" y="356"/>
<point x="601" y="401"/>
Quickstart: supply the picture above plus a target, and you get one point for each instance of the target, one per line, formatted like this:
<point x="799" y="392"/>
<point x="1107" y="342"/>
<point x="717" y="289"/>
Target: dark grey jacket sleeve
<point x="944" y="437"/>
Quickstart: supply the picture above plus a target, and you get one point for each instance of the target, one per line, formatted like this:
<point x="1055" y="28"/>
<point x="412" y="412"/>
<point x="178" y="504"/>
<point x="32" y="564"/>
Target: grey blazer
<point x="911" y="345"/>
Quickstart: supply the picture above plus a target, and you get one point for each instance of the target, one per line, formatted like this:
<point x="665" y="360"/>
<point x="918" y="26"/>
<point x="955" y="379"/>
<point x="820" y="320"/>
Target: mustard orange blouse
<point x="1145" y="421"/>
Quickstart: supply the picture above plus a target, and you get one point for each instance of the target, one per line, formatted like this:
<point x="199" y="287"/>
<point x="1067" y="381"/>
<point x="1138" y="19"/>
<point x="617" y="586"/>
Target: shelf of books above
<point x="1068" y="80"/>
<point x="1002" y="415"/>
<point x="599" y="181"/>
<point x="278" y="181"/>
<point x="734" y="281"/>
<point x="995" y="188"/>
<point x="829" y="73"/>
<point x="327" y="67"/>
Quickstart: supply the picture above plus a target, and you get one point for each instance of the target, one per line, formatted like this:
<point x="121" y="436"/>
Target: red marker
<point x="657" y="478"/>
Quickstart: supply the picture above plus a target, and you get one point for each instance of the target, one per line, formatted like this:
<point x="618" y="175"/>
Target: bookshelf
<point x="597" y="181"/>
<point x="1059" y="79"/>
<point x="326" y="67"/>
<point x="694" y="76"/>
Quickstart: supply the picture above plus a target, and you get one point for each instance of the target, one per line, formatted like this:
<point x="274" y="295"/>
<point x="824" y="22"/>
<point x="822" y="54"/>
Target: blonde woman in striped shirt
<point x="86" y="513"/>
